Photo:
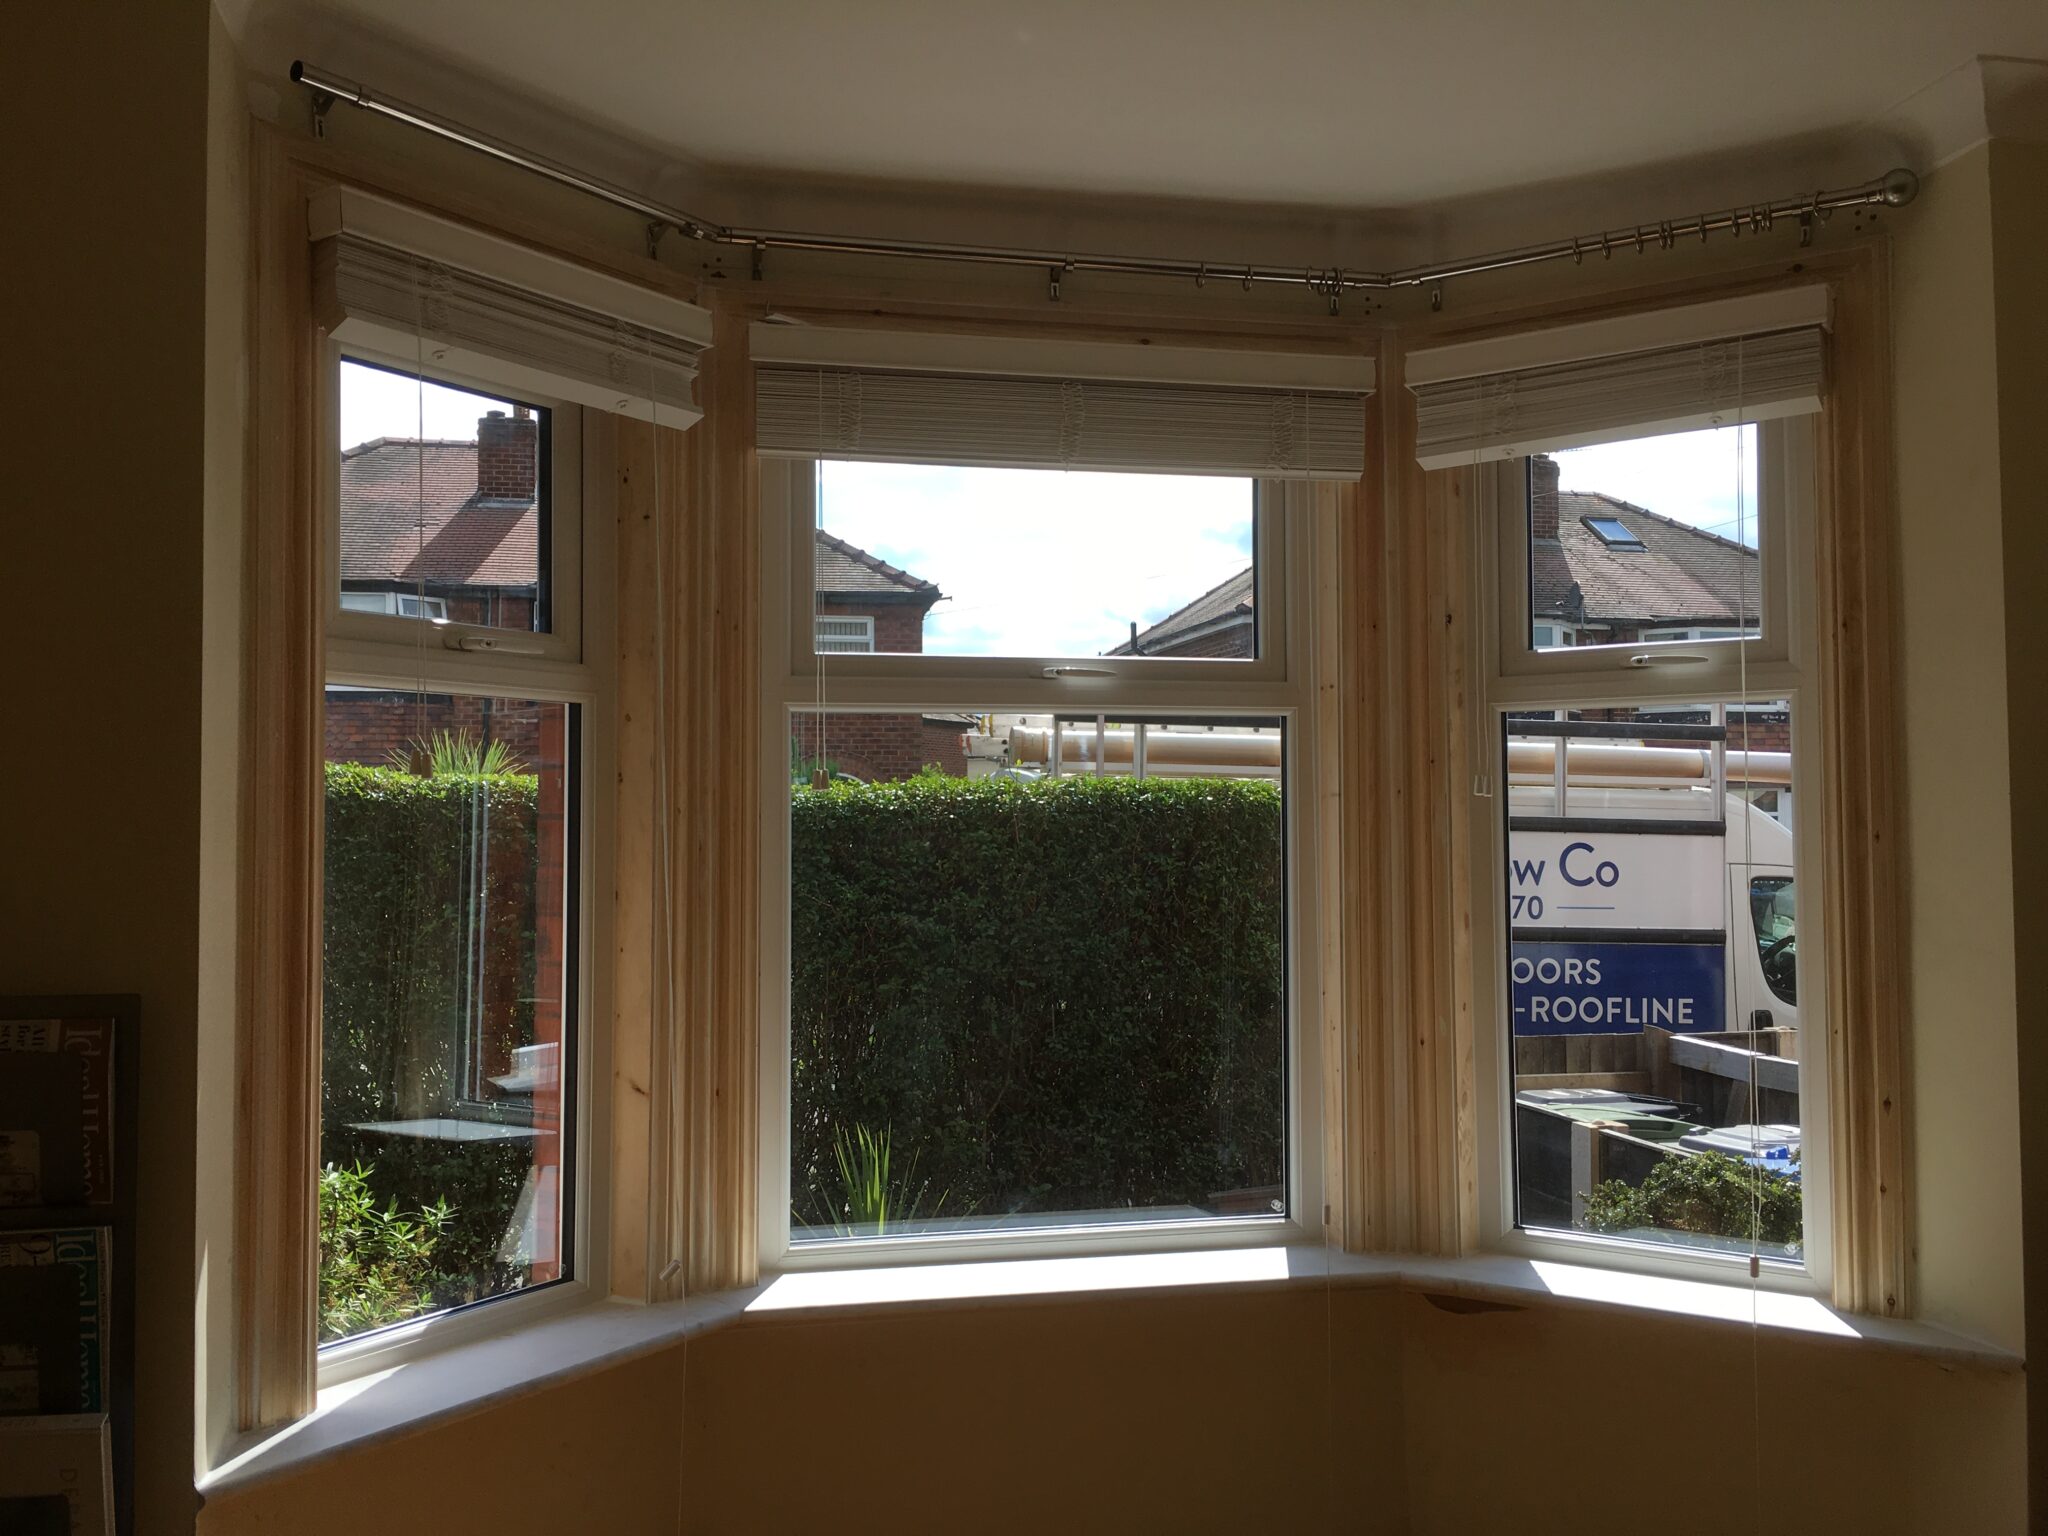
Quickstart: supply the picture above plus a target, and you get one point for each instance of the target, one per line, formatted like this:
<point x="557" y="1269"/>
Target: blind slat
<point x="1040" y="423"/>
<point x="1608" y="399"/>
<point x="378" y="295"/>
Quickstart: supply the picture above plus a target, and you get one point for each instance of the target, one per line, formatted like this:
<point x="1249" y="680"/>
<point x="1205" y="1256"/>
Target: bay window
<point x="1656" y="1072"/>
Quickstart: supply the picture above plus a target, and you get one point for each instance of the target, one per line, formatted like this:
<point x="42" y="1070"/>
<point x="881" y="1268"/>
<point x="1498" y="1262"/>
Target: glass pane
<point x="444" y="502"/>
<point x="446" y="1007"/>
<point x="1648" y="541"/>
<point x="1037" y="972"/>
<point x="1030" y="562"/>
<point x="1651" y="987"/>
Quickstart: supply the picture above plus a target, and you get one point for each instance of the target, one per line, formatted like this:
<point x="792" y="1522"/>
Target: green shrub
<point x="1062" y="995"/>
<point x="1707" y="1193"/>
<point x="429" y="973"/>
<point x="376" y="1265"/>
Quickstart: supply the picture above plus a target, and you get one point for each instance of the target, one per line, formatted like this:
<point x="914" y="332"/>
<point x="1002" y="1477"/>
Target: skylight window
<point x="1614" y="533"/>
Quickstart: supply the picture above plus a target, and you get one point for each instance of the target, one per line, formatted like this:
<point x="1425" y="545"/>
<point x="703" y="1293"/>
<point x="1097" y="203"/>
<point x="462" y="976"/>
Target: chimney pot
<point x="507" y="450"/>
<point x="1543" y="497"/>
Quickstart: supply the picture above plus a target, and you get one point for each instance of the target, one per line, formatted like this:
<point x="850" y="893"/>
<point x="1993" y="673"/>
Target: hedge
<point x="417" y="868"/>
<point x="1065" y="995"/>
<point x="1061" y="995"/>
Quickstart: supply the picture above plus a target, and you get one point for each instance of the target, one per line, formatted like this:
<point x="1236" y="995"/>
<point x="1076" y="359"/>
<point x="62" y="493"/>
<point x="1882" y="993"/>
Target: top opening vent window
<point x="1614" y="533"/>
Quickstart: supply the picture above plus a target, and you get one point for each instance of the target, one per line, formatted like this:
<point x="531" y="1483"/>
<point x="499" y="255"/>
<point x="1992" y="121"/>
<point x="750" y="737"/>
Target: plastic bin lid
<point x="1595" y="1098"/>
<point x="1763" y="1144"/>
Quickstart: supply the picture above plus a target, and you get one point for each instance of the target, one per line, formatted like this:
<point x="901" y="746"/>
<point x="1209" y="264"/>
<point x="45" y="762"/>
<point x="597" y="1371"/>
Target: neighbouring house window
<point x="453" y="862"/>
<point x="1653" y="1048"/>
<point x="1697" y="634"/>
<point x="1038" y="982"/>
<point x="841" y="633"/>
<point x="407" y="605"/>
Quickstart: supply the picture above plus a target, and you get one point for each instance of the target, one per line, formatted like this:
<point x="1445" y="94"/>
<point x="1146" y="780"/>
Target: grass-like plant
<point x="455" y="752"/>
<point x="870" y="1199"/>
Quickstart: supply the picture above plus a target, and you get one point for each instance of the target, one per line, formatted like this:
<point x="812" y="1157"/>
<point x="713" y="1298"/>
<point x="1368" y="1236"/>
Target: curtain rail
<point x="1892" y="190"/>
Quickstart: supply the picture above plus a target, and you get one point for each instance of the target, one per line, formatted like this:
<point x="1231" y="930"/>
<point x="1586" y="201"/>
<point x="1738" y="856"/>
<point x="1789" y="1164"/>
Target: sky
<point x="1046" y="563"/>
<point x="1055" y="563"/>
<point x="1038" y="562"/>
<point x="1689" y="476"/>
<point x="375" y="403"/>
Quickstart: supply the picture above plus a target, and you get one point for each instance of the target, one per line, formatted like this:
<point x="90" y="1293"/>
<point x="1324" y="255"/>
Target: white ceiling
<point x="1398" y="104"/>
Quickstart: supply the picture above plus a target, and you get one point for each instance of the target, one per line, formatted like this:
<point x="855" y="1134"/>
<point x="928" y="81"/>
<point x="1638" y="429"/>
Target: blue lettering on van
<point x="1606" y="873"/>
<point x="1616" y="989"/>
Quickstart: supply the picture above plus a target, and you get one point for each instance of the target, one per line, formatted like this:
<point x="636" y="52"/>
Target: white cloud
<point x="1040" y="562"/>
<point x="1692" y="477"/>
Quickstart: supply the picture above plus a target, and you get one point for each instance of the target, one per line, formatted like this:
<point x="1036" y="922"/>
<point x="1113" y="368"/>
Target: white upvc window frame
<point x="367" y="635"/>
<point x="1777" y="669"/>
<point x="1276" y="684"/>
<point x="573" y="665"/>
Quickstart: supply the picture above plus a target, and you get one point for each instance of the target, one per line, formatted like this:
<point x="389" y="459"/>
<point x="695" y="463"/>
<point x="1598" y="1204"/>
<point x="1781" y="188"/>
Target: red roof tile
<point x="410" y="512"/>
<point x="842" y="569"/>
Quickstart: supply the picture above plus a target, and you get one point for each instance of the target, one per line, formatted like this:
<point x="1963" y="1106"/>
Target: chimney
<point x="1543" y="497"/>
<point x="505" y="455"/>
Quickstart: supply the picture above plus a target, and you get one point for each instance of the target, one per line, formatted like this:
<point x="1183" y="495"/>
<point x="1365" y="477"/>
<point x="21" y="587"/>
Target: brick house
<point x="1216" y="624"/>
<point x="863" y="603"/>
<point x="440" y="529"/>
<point x="1602" y="572"/>
<point x="444" y="529"/>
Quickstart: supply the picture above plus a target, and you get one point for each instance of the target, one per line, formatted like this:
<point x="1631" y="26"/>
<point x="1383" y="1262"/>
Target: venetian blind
<point x="1708" y="365"/>
<point x="1032" y="404"/>
<point x="387" y="277"/>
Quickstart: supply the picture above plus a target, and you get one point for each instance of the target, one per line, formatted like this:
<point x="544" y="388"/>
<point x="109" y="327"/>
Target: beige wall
<point x="101" y="540"/>
<point x="600" y="1454"/>
<point x="1965" y="1108"/>
<point x="1262" y="1411"/>
<point x="2019" y="189"/>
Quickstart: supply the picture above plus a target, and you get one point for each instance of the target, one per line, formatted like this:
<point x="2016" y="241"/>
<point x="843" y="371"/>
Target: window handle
<point x="1667" y="659"/>
<point x="1079" y="672"/>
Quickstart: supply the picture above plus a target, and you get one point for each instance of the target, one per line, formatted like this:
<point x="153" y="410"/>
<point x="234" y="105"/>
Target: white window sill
<point x="470" y="1375"/>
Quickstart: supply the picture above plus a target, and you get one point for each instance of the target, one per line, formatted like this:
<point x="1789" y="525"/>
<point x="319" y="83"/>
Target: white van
<point x="1648" y="906"/>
